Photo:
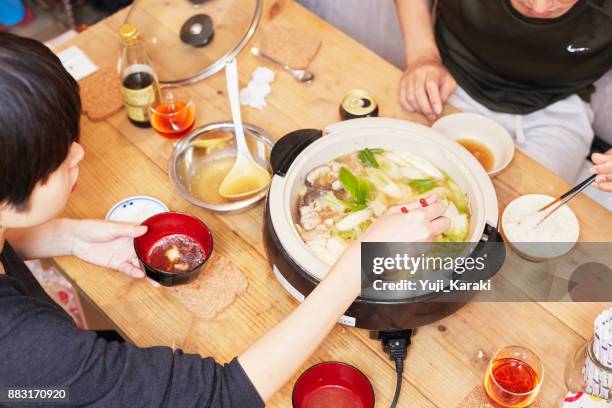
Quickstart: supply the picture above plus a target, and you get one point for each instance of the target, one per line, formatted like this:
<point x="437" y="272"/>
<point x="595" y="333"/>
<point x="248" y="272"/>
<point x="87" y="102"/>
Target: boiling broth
<point x="340" y="199"/>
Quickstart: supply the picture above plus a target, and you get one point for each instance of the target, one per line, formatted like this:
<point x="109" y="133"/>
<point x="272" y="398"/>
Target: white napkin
<point x="254" y="94"/>
<point x="77" y="63"/>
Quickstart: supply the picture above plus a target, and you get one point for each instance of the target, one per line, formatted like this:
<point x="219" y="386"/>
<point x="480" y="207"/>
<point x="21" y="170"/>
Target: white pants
<point x="601" y="102"/>
<point x="558" y="136"/>
<point x="373" y="23"/>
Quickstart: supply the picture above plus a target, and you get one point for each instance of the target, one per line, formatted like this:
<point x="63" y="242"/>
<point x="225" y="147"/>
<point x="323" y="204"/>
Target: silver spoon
<point x="300" y="75"/>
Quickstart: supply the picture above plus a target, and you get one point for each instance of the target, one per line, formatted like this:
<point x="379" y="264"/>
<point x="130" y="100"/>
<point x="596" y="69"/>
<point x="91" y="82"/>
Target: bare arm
<point x="103" y="243"/>
<point x="416" y="21"/>
<point x="426" y="84"/>
<point x="43" y="241"/>
<point x="274" y="358"/>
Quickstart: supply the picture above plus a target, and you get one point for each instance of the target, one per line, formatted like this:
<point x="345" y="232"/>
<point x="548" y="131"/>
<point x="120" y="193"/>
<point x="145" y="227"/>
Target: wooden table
<point x="446" y="360"/>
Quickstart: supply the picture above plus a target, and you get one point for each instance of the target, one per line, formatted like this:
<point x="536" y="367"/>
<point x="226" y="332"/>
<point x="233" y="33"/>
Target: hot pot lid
<point x="188" y="40"/>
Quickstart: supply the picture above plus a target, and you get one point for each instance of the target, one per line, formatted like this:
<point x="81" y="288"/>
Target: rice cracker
<point x="101" y="94"/>
<point x="214" y="290"/>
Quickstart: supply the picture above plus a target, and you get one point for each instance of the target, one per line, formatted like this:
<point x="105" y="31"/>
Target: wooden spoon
<point x="247" y="177"/>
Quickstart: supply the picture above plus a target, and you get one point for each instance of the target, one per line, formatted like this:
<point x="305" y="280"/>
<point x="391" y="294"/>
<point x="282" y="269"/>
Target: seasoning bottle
<point x="139" y="85"/>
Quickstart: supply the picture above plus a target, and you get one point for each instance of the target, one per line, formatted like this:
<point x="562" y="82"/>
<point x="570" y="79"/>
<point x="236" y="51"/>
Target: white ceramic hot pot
<point x="297" y="153"/>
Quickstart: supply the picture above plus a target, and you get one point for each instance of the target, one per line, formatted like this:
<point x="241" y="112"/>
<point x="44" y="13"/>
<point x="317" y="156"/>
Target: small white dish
<point x="483" y="130"/>
<point x="136" y="209"/>
<point x="554" y="237"/>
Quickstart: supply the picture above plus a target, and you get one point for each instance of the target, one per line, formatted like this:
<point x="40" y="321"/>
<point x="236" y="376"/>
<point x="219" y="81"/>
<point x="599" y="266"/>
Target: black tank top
<point x="515" y="64"/>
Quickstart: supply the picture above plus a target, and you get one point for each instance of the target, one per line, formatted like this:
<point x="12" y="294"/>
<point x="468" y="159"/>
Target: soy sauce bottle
<point x="139" y="85"/>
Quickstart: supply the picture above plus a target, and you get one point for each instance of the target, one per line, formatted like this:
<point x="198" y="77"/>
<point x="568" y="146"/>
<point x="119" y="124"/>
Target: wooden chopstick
<point x="578" y="188"/>
<point x="562" y="200"/>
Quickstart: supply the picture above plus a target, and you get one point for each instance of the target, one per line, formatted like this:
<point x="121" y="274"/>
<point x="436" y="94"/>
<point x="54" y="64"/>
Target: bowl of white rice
<point x="534" y="239"/>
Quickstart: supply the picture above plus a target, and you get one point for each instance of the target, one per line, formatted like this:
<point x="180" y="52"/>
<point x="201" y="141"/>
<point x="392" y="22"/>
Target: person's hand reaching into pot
<point x="320" y="311"/>
<point x="417" y="224"/>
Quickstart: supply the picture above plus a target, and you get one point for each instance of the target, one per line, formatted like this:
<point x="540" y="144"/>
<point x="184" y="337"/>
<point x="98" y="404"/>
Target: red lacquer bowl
<point x="333" y="384"/>
<point x="170" y="223"/>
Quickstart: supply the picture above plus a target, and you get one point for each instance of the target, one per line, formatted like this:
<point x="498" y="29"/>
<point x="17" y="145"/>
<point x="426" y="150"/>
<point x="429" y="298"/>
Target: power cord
<point x="395" y="344"/>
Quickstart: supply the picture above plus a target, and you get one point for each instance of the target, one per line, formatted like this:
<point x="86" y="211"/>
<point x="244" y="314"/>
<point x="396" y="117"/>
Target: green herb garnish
<point x="352" y="207"/>
<point x="366" y="156"/>
<point x="422" y="185"/>
<point x="356" y="187"/>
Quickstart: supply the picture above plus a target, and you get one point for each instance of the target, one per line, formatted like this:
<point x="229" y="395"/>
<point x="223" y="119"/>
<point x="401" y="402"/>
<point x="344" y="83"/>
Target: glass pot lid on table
<point x="189" y="40"/>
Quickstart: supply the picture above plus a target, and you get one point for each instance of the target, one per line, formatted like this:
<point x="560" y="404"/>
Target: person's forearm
<point x="416" y="22"/>
<point x="275" y="357"/>
<point x="44" y="241"/>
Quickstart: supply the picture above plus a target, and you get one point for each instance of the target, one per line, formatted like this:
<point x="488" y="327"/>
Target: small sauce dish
<point x="484" y="138"/>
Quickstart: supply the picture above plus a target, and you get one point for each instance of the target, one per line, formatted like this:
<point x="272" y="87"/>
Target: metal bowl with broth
<point x="200" y="161"/>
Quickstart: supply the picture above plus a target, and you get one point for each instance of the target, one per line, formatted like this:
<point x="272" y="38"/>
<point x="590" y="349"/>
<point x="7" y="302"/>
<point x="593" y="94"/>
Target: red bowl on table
<point x="333" y="384"/>
<point x="185" y="237"/>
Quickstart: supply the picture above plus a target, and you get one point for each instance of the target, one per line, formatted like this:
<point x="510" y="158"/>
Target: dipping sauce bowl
<point x="186" y="237"/>
<point x="333" y="384"/>
<point x="481" y="136"/>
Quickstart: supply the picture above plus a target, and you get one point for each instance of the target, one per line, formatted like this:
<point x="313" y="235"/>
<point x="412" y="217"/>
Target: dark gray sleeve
<point x="42" y="347"/>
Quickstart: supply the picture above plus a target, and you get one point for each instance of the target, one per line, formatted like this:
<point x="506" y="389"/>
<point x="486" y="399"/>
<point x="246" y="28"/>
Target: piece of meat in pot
<point x="311" y="196"/>
<point x="309" y="219"/>
<point x="320" y="232"/>
<point x="321" y="177"/>
<point x="327" y="213"/>
<point x="342" y="195"/>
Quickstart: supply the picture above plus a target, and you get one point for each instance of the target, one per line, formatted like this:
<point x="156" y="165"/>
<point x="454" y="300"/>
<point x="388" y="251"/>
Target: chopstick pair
<point x="563" y="199"/>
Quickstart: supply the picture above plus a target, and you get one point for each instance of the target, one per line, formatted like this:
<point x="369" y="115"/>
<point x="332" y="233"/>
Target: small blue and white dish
<point x="136" y="209"/>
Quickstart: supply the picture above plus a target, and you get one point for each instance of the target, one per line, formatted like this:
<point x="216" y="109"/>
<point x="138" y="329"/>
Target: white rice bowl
<point x="554" y="237"/>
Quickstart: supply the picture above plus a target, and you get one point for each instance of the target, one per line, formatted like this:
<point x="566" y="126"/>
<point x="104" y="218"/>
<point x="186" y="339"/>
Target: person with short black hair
<point x="40" y="344"/>
<point x="26" y="96"/>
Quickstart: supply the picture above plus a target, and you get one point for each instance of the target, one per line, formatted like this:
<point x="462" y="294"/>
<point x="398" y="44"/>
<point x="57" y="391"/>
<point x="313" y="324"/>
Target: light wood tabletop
<point x="446" y="360"/>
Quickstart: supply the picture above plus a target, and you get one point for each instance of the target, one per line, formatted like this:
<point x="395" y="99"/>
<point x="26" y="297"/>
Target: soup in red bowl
<point x="175" y="247"/>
